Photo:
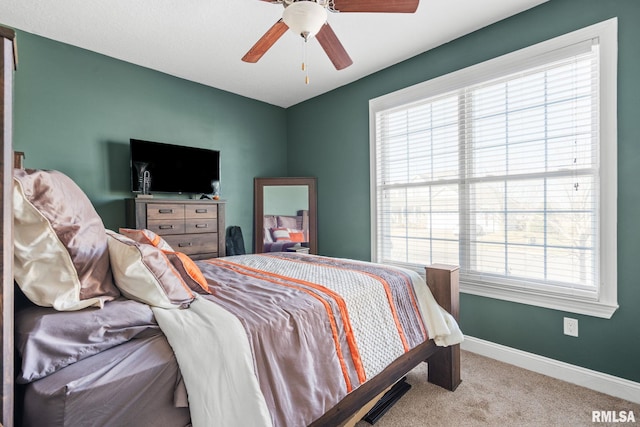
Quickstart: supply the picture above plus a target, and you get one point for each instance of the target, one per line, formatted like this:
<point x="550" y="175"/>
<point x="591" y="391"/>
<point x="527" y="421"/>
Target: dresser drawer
<point x="194" y="243"/>
<point x="166" y="226"/>
<point x="156" y="211"/>
<point x="201" y="211"/>
<point x="201" y="225"/>
<point x="194" y="227"/>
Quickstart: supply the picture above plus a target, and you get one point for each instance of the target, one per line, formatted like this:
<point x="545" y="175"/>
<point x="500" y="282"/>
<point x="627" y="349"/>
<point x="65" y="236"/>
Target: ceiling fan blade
<point x="332" y="46"/>
<point x="266" y="41"/>
<point x="388" y="6"/>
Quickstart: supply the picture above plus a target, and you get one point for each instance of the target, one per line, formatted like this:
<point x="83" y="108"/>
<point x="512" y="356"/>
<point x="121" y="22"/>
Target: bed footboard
<point x="444" y="362"/>
<point x="444" y="365"/>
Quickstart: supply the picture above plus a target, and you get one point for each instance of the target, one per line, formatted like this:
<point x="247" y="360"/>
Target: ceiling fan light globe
<point x="305" y="18"/>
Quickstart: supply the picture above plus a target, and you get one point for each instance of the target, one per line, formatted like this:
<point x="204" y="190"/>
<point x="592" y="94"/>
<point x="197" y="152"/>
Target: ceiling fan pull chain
<point x="304" y="55"/>
<point x="304" y="61"/>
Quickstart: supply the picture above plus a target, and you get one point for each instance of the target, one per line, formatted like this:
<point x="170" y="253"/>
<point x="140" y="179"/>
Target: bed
<point x="284" y="233"/>
<point x="119" y="328"/>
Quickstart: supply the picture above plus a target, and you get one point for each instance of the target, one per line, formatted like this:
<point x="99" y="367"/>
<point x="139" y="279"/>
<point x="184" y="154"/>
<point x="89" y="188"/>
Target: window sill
<point x="555" y="302"/>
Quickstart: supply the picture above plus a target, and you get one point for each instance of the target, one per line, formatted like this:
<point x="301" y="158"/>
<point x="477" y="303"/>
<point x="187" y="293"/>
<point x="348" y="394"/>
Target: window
<point x="507" y="169"/>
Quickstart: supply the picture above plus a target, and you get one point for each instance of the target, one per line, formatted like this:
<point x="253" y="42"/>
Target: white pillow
<point x="144" y="273"/>
<point x="146" y="236"/>
<point x="61" y="258"/>
<point x="280" y="234"/>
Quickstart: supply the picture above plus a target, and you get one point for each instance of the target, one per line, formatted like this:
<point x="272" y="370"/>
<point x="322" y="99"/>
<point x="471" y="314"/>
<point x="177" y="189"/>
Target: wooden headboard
<point x="18" y="160"/>
<point x="8" y="64"/>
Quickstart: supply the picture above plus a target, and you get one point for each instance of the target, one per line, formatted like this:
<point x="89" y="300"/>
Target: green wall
<point x="339" y="156"/>
<point x="75" y="111"/>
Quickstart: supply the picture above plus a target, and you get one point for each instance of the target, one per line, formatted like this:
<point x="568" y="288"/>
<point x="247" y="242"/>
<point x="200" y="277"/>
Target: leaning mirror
<point x="285" y="215"/>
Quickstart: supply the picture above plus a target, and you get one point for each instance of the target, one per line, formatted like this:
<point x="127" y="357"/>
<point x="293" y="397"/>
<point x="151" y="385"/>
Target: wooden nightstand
<point x="299" y="249"/>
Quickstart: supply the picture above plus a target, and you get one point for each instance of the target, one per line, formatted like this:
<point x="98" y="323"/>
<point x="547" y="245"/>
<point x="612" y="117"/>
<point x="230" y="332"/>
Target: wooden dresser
<point x="194" y="227"/>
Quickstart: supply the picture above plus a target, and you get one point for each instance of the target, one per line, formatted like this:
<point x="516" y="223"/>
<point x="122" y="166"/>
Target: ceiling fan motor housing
<point x="285" y="3"/>
<point x="305" y="18"/>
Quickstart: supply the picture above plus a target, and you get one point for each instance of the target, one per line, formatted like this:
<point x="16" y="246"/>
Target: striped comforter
<point x="319" y="327"/>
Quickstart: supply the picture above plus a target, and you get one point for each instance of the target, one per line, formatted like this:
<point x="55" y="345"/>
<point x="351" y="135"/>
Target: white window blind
<point x="500" y="176"/>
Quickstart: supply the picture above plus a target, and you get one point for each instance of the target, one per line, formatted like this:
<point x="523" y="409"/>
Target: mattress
<point x="137" y="383"/>
<point x="107" y="367"/>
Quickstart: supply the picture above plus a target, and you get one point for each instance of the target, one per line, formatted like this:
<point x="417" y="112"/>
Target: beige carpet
<point x="493" y="393"/>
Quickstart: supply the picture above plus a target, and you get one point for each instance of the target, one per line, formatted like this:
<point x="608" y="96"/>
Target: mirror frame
<point x="258" y="209"/>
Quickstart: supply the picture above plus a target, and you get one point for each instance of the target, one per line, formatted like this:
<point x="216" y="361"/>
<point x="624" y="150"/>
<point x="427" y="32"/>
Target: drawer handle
<point x="202" y="210"/>
<point x="165" y="227"/>
<point x="184" y="245"/>
<point x="165" y="211"/>
<point x="202" y="225"/>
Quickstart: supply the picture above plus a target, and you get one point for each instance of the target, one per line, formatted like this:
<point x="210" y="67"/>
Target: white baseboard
<point x="594" y="380"/>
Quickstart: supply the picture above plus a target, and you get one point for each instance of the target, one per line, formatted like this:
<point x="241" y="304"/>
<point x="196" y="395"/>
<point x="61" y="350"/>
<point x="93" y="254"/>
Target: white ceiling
<point x="204" y="40"/>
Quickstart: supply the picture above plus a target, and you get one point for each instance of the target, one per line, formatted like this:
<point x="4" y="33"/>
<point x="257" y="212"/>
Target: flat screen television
<point x="173" y="168"/>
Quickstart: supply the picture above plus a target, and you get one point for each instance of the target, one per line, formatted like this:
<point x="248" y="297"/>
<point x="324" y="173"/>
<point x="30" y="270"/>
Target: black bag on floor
<point x="235" y="241"/>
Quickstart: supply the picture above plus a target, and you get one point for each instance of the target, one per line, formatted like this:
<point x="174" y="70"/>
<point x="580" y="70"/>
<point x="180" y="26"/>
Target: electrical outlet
<point x="571" y="327"/>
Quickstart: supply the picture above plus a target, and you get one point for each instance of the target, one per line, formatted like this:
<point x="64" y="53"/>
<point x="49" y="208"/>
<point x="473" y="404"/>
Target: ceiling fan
<point x="308" y="18"/>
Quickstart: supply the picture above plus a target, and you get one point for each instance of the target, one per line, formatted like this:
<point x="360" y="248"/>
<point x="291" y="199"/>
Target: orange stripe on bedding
<point x="410" y="289"/>
<point x="190" y="267"/>
<point x="258" y="274"/>
<point x="156" y="240"/>
<point x="387" y="291"/>
<point x="392" y="306"/>
<point x="411" y="293"/>
<point x="414" y="303"/>
<point x="344" y="314"/>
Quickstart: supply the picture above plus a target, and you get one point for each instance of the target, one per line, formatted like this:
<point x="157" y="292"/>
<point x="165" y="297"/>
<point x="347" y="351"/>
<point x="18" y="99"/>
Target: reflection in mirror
<point x="285" y="215"/>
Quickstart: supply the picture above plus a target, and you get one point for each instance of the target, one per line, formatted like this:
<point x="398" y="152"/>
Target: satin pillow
<point x="289" y="222"/>
<point x="61" y="258"/>
<point x="270" y="221"/>
<point x="189" y="271"/>
<point x="185" y="265"/>
<point x="146" y="236"/>
<point x="145" y="273"/>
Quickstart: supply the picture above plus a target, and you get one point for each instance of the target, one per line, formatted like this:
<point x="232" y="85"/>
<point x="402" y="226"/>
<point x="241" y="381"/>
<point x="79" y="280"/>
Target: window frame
<point x="606" y="303"/>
